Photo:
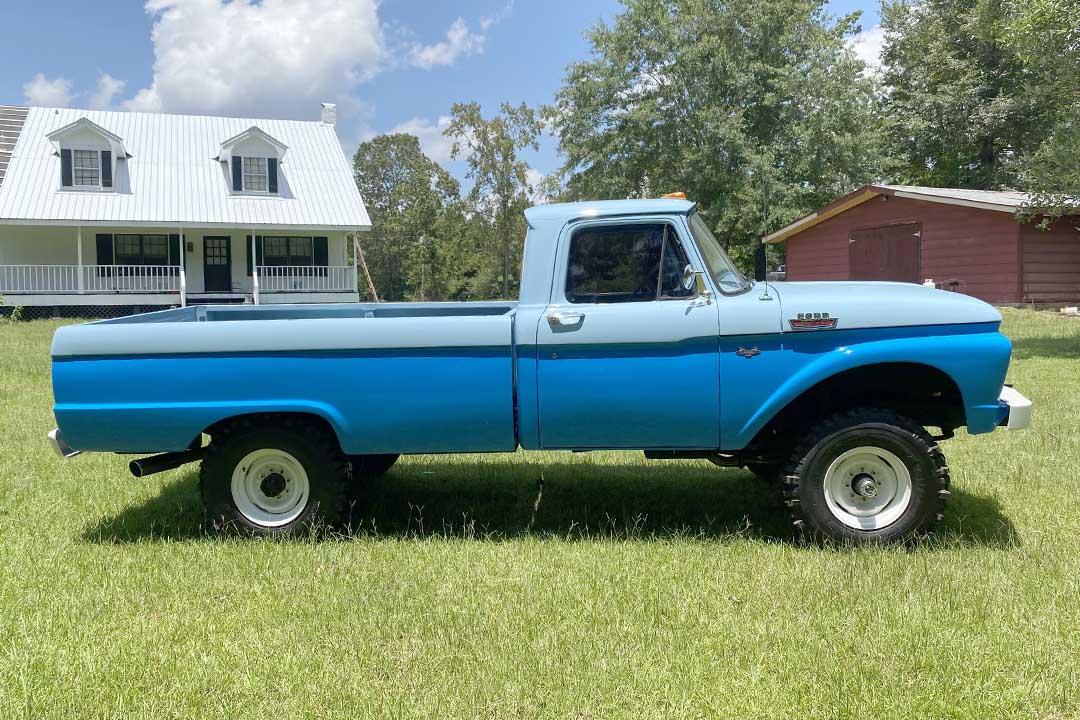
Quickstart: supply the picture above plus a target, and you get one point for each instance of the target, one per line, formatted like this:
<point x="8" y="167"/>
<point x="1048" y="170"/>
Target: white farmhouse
<point x="146" y="210"/>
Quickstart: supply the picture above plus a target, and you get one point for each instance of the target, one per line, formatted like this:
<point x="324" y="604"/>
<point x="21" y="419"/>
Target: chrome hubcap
<point x="867" y="488"/>
<point x="270" y="487"/>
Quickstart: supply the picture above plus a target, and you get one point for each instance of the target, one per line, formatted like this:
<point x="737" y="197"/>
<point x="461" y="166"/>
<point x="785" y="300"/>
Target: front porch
<point x="58" y="266"/>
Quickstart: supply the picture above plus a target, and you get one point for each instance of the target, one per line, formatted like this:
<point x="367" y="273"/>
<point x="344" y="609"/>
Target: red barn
<point x="966" y="240"/>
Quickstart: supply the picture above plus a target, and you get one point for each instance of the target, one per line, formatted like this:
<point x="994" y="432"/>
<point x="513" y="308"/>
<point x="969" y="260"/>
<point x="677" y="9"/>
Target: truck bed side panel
<point x="449" y="390"/>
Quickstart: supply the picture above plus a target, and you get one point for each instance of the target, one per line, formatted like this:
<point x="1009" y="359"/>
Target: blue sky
<point x="389" y="65"/>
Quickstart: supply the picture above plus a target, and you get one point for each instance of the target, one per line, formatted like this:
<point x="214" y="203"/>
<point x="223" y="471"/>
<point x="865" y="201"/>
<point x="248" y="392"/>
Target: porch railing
<point x="307" y="278"/>
<point x="64" y="279"/>
<point x="39" y="278"/>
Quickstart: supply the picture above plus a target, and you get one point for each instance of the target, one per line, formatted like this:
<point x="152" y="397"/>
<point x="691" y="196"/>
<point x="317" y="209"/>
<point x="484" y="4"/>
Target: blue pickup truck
<point x="634" y="330"/>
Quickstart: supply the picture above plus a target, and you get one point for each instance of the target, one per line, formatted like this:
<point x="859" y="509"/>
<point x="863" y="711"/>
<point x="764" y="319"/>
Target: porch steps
<point x="11" y="124"/>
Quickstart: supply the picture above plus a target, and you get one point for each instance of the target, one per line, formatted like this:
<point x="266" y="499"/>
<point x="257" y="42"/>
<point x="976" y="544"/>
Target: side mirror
<point x="688" y="277"/>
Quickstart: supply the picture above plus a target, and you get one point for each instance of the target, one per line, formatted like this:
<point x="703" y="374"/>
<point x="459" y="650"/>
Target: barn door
<point x="885" y="253"/>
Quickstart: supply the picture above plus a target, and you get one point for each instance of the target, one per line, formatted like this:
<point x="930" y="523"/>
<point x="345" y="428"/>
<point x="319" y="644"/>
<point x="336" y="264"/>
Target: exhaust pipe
<point x="165" y="461"/>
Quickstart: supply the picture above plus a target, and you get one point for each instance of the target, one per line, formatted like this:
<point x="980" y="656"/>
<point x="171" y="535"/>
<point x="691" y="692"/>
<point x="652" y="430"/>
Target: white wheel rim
<point x="270" y="487"/>
<point x="867" y="488"/>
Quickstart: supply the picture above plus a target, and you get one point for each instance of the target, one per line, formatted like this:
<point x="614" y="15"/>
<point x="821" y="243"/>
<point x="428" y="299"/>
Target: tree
<point x="961" y="111"/>
<point x="1045" y="35"/>
<point x="501" y="188"/>
<point x="413" y="203"/>
<point x="735" y="103"/>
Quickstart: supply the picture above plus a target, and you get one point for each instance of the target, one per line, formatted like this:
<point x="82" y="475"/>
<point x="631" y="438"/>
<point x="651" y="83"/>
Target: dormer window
<point x="255" y="174"/>
<point x="88" y="155"/>
<point x="87" y="167"/>
<point x="254" y="162"/>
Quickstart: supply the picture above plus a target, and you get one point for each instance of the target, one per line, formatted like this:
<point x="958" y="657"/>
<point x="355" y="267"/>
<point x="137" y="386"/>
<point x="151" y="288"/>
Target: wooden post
<point x="359" y="258"/>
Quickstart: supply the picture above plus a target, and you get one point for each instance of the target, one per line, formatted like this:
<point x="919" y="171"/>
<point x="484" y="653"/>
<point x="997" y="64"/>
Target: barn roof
<point x="997" y="200"/>
<point x="173" y="173"/>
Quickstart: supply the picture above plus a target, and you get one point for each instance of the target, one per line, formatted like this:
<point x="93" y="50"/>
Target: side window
<point x="614" y="264"/>
<point x="625" y="263"/>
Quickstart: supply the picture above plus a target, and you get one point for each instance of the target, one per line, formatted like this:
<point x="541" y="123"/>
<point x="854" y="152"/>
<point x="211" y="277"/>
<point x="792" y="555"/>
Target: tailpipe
<point x="165" y="461"/>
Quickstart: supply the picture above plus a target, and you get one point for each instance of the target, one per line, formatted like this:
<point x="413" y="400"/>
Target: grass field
<point x="617" y="588"/>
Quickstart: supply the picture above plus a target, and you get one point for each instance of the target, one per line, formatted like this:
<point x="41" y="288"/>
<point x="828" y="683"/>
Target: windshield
<point x="723" y="271"/>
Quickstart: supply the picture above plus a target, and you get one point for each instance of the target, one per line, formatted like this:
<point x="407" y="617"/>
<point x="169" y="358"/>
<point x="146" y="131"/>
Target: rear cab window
<point x="626" y="263"/>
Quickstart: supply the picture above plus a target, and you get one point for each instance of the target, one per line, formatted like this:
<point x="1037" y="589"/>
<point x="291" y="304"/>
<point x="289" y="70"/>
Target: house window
<point x="87" y="167"/>
<point x="282" y="251"/>
<point x="142" y="249"/>
<point x="255" y="174"/>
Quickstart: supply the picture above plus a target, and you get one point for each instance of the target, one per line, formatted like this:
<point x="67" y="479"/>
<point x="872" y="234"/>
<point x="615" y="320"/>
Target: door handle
<point x="565" y="320"/>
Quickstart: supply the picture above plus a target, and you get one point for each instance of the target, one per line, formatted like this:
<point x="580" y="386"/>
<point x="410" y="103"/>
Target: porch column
<point x="355" y="266"/>
<point x="254" y="269"/>
<point x="80" y="280"/>
<point x="183" y="269"/>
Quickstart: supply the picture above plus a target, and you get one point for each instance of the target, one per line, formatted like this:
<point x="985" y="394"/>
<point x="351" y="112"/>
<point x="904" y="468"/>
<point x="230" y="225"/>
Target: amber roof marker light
<point x="674" y="196"/>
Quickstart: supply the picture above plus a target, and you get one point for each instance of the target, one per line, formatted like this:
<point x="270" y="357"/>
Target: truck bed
<point x="408" y="377"/>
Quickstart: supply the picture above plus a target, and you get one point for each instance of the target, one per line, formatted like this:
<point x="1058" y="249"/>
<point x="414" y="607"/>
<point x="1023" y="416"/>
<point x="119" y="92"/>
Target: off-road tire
<point x="804" y="475"/>
<point x="312" y="445"/>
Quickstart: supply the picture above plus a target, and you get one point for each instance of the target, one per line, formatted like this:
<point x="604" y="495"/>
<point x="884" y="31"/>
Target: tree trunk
<point x="506" y="255"/>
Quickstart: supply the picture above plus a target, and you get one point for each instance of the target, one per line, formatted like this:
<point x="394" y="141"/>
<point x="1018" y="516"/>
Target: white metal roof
<point x="1003" y="198"/>
<point x="176" y="180"/>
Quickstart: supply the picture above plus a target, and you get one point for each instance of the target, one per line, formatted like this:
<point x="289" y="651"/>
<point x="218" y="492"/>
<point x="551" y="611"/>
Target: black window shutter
<point x="271" y="175"/>
<point x="174" y="250"/>
<point x="106" y="168"/>
<point x="65" y="169"/>
<point x="237" y="174"/>
<point x="320" y="254"/>
<point x="104" y="253"/>
<point x="258" y="251"/>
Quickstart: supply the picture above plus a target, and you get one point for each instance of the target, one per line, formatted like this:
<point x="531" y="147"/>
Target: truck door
<point x="628" y="357"/>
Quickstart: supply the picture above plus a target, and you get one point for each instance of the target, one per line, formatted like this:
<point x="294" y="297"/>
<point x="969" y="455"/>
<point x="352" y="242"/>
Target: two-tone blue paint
<point x="483" y="377"/>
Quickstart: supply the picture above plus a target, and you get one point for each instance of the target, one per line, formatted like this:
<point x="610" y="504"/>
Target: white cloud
<point x="107" y="88"/>
<point x="460" y="40"/>
<point x="432" y="141"/>
<point x="43" y="92"/>
<point x="275" y="58"/>
<point x="867" y="47"/>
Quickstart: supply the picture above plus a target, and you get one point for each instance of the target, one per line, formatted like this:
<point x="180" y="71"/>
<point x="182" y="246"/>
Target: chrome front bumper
<point x="56" y="439"/>
<point x="1017" y="409"/>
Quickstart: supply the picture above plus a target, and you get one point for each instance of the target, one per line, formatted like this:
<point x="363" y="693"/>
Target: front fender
<point x="975" y="356"/>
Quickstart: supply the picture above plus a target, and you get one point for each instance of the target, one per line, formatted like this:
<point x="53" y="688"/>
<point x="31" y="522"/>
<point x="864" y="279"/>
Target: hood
<point x="880" y="304"/>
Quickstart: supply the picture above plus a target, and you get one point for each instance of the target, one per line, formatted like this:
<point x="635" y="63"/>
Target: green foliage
<point x="960" y="110"/>
<point x="1045" y="35"/>
<point x="415" y="210"/>
<point x="501" y="190"/>
<point x="746" y="106"/>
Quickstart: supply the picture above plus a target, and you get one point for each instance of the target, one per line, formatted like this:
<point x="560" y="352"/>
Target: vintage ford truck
<point x="634" y="330"/>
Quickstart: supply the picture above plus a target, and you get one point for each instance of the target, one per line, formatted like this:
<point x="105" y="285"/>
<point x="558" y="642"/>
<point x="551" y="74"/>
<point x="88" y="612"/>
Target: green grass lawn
<point x="617" y="588"/>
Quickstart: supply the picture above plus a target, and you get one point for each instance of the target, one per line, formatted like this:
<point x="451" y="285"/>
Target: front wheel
<point x="274" y="478"/>
<point x="867" y="476"/>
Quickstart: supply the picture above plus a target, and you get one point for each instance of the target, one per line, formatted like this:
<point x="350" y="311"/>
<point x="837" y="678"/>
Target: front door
<point x="217" y="264"/>
<point x="627" y="357"/>
<point x="885" y="253"/>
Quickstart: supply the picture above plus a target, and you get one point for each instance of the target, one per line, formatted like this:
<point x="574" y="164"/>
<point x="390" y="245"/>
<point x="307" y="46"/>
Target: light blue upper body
<point x="677" y="374"/>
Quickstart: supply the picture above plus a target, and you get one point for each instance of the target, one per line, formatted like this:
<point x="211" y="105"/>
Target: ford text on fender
<point x="633" y="330"/>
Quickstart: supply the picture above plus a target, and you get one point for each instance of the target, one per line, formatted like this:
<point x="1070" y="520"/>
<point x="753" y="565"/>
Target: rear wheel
<point x="274" y="478"/>
<point x="866" y="476"/>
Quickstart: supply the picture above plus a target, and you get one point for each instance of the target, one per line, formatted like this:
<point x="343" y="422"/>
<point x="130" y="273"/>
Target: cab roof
<point x="606" y="208"/>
